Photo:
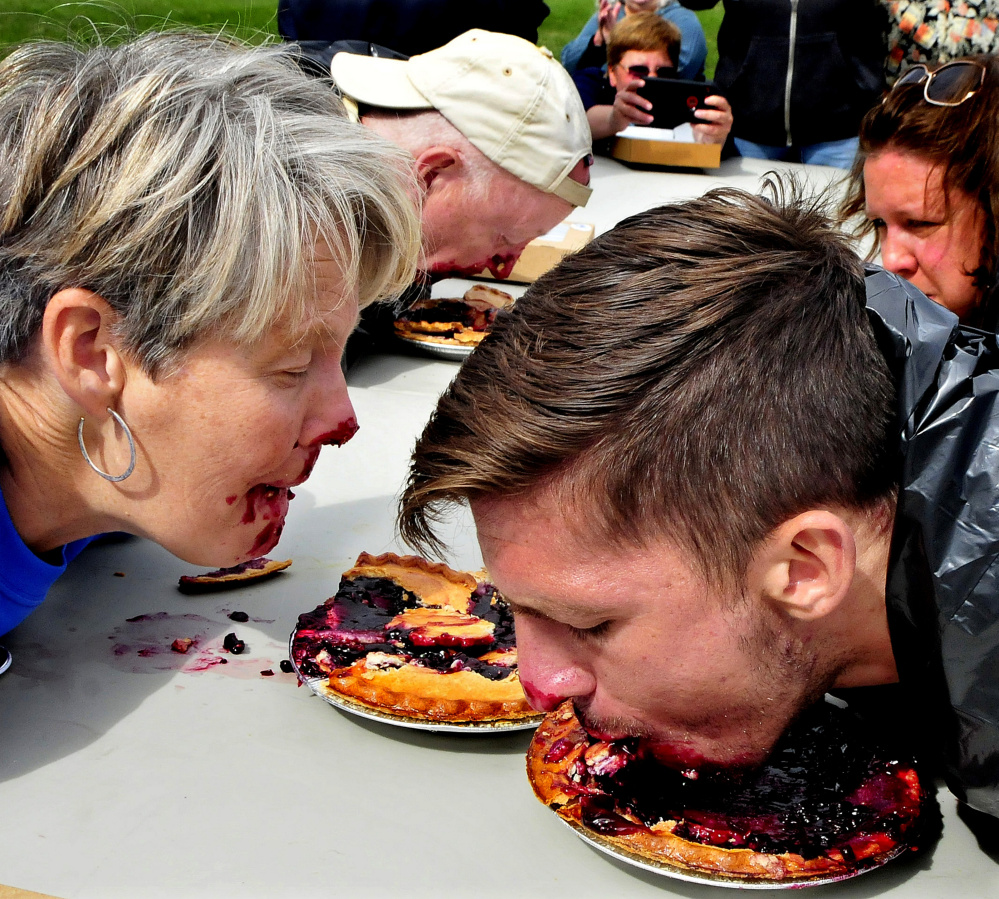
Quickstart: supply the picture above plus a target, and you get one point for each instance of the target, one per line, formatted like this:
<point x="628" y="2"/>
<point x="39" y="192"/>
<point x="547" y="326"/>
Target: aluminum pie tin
<point x="667" y="869"/>
<point x="455" y="352"/>
<point x="320" y="687"/>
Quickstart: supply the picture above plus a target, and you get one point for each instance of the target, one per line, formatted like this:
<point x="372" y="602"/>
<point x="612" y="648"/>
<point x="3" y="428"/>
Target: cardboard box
<point x="546" y="251"/>
<point x="648" y="150"/>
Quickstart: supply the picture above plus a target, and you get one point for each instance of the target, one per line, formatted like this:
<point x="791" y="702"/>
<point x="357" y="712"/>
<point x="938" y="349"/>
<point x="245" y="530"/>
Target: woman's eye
<point x="291" y="376"/>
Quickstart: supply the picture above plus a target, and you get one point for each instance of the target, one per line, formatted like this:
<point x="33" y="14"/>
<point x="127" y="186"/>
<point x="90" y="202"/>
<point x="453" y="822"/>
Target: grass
<point x="253" y="20"/>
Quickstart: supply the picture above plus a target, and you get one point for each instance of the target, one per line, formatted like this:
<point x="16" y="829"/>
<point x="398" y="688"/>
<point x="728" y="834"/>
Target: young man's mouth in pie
<point x="678" y="752"/>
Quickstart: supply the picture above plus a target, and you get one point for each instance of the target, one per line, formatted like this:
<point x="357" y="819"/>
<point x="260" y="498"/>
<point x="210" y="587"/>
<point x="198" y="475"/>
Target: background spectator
<point x="934" y="32"/>
<point x="589" y="47"/>
<point x="640" y="46"/>
<point x="926" y="182"/>
<point x="800" y="78"/>
<point x="406" y="26"/>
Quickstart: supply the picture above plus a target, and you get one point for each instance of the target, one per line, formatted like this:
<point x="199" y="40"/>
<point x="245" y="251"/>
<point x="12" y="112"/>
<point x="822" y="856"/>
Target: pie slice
<point x="237" y="576"/>
<point x="828" y="803"/>
<point x="415" y="639"/>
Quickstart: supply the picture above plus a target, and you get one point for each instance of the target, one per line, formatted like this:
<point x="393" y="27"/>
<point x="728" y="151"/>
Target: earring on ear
<point x="131" y="449"/>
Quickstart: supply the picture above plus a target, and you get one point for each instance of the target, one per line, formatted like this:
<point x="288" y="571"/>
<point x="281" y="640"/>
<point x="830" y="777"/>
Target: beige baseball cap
<point x="511" y="99"/>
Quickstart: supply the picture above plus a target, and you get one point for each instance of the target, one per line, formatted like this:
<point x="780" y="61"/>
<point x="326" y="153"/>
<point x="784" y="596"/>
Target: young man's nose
<point x="551" y="669"/>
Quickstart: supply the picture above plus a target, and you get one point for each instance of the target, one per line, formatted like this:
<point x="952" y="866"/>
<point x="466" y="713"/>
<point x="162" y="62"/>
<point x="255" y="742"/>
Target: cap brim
<point x="377" y="81"/>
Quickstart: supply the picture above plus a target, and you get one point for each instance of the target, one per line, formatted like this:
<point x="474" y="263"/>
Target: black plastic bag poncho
<point x="942" y="589"/>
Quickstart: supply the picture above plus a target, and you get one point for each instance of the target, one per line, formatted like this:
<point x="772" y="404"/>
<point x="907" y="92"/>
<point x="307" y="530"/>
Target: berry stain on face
<point x="341" y="434"/>
<point x="269" y="504"/>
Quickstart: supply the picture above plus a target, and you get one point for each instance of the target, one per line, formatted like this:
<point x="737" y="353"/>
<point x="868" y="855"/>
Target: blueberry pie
<point x="415" y="639"/>
<point x="464" y="321"/>
<point x="828" y="803"/>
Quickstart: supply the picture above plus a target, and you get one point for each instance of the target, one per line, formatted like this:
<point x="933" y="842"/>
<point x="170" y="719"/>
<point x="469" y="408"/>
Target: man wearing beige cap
<point x="499" y="140"/>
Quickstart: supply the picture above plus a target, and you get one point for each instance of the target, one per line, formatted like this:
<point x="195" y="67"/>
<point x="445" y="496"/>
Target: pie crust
<point x="415" y="639"/>
<point x="579" y="778"/>
<point x="237" y="576"/>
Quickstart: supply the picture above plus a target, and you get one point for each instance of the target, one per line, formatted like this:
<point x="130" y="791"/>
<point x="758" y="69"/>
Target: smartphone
<point x="674" y="99"/>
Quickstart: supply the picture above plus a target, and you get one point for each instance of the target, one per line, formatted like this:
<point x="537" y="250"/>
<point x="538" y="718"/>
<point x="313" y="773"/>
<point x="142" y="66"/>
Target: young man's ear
<point x="808" y="564"/>
<point x="433" y="162"/>
<point x="78" y="348"/>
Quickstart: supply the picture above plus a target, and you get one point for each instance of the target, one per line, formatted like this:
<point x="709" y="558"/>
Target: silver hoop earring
<point x="131" y="449"/>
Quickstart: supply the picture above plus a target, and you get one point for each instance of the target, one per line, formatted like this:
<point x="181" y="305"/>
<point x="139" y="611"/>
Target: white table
<point x="134" y="775"/>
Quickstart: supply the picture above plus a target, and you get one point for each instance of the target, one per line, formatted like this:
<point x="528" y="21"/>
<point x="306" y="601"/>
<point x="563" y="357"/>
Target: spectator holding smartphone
<point x="638" y="47"/>
<point x="587" y="49"/>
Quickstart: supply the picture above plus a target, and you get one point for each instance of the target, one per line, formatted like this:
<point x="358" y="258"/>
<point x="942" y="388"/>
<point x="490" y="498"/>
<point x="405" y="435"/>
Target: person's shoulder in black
<point x="408" y="26"/>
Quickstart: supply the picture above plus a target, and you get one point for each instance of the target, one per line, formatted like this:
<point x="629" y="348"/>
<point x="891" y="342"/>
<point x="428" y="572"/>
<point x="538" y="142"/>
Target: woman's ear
<point x="809" y="563"/>
<point x="78" y="346"/>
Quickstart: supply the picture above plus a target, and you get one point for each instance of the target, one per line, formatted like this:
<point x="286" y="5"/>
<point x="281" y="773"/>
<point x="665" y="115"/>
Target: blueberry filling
<point x="451" y="311"/>
<point x="824" y="786"/>
<point x="233" y="644"/>
<point x="357" y="621"/>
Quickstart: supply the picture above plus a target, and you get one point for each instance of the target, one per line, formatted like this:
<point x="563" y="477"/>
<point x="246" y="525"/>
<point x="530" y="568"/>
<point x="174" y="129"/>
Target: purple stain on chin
<point x="231" y="499"/>
<point x="268" y="538"/>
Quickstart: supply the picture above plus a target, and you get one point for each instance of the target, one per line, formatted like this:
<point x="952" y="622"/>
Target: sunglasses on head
<point x="949" y="85"/>
<point x="655" y="72"/>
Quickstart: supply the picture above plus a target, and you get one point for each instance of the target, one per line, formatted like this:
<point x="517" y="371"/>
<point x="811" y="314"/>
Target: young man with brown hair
<point x="713" y="466"/>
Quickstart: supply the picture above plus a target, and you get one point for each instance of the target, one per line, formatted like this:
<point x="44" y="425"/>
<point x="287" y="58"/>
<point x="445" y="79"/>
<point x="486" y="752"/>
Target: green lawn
<point x="254" y="20"/>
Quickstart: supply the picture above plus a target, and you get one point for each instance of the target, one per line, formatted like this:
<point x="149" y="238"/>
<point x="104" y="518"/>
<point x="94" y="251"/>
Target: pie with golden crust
<point x="463" y="322"/>
<point x="415" y="639"/>
<point x="827" y="804"/>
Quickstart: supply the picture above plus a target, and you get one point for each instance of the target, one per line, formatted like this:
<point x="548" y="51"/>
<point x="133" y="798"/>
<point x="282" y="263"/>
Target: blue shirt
<point x="24" y="578"/>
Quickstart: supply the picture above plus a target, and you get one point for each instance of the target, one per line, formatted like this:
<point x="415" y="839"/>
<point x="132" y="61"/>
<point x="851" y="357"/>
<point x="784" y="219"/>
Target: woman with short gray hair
<point x="188" y="228"/>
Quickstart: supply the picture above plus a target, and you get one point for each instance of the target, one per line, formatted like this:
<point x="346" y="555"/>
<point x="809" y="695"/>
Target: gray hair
<point x="187" y="178"/>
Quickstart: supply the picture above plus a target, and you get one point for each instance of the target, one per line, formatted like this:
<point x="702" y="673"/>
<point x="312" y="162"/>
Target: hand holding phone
<point x="675" y="99"/>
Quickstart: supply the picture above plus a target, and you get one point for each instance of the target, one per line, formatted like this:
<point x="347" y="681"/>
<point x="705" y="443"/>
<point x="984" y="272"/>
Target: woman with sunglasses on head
<point x="926" y="180"/>
<point x="639" y="47"/>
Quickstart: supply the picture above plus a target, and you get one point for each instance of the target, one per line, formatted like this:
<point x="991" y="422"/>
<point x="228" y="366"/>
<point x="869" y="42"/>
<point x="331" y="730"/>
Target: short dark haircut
<point x="701" y="373"/>
<point x="963" y="140"/>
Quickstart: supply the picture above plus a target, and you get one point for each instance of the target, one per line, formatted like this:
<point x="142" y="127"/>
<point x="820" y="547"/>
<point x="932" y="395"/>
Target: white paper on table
<point x="683" y="133"/>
